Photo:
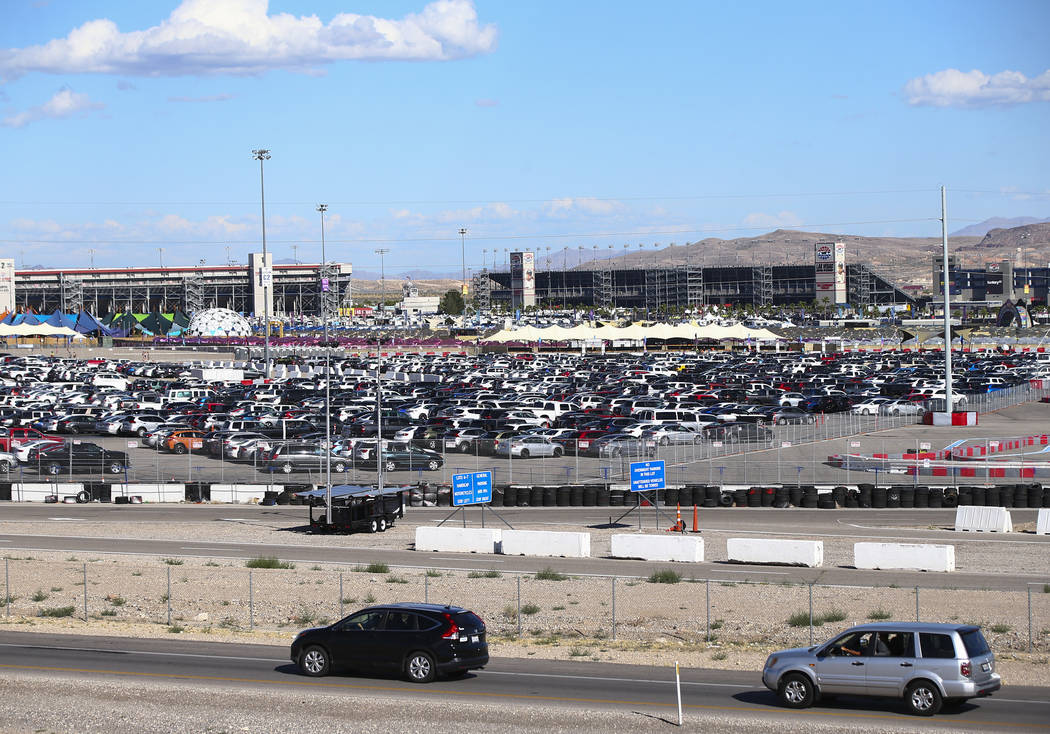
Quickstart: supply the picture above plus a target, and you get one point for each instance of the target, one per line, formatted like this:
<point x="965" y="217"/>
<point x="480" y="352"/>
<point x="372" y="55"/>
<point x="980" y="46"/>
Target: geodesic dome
<point x="218" y="322"/>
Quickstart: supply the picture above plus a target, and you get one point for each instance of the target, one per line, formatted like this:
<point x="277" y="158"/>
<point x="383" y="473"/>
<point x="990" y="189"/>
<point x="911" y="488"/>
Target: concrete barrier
<point x="1042" y="525"/>
<point x="545" y="543"/>
<point x="659" y="548"/>
<point x="779" y="552"/>
<point x="237" y="493"/>
<point x="37" y="491"/>
<point x="458" y="540"/>
<point x="983" y="519"/>
<point x="904" y="556"/>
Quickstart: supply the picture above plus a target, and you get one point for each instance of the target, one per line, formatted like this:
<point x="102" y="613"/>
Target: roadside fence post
<point x="426" y="586"/>
<point x="340" y="595"/>
<point x="519" y="605"/>
<point x="916" y="603"/>
<point x="614" y="607"/>
<point x="168" y="601"/>
<point x="251" y="602"/>
<point x="1029" y="617"/>
<point x="811" y="613"/>
<point x="85" y="593"/>
<point x="7" y="589"/>
<point x="707" y="606"/>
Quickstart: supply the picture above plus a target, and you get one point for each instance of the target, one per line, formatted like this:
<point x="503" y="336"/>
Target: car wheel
<point x="314" y="661"/>
<point x="373" y="526"/>
<point x="465" y="448"/>
<point x="382" y="524"/>
<point x="524" y="453"/>
<point x="811" y="420"/>
<point x="5" y="466"/>
<point x="286" y="468"/>
<point x="420" y="667"/>
<point x="390" y="466"/>
<point x="923" y="698"/>
<point x="665" y="441"/>
<point x="115" y="467"/>
<point x="796" y="691"/>
<point x="895" y="413"/>
<point x="179" y="449"/>
<point x="339" y="467"/>
<point x="557" y="453"/>
<point x="616" y="453"/>
<point x="53" y="469"/>
<point x="865" y="412"/>
<point x="433" y="465"/>
<point x="142" y="432"/>
<point x="73" y="429"/>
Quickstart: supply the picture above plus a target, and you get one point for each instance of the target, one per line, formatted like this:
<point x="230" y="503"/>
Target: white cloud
<point x="65" y="103"/>
<point x="486" y="102"/>
<point x="240" y="37"/>
<point x="761" y="220"/>
<point x="954" y="88"/>
<point x="209" y="98"/>
<point x="583" y="205"/>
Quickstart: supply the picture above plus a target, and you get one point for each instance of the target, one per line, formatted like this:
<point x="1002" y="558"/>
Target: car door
<point x="841" y="666"/>
<point x="399" y="636"/>
<point x="891" y="662"/>
<point x="354" y="640"/>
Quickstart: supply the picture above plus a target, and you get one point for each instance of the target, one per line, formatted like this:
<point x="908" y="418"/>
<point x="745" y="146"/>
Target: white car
<point x="869" y="406"/>
<point x="526" y="446"/>
<point x="7" y="462"/>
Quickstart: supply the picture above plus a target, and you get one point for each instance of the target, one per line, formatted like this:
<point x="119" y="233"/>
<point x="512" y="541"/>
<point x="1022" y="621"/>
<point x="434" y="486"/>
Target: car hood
<point x="795" y="652"/>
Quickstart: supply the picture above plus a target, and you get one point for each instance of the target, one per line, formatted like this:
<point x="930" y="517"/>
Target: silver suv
<point x="928" y="665"/>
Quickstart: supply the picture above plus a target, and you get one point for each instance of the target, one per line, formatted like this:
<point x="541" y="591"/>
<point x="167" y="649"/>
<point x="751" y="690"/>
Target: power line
<point x="569" y="235"/>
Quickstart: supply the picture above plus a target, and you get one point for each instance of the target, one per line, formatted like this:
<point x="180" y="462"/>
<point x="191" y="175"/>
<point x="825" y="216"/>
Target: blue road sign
<point x="647" y="475"/>
<point x="472" y="489"/>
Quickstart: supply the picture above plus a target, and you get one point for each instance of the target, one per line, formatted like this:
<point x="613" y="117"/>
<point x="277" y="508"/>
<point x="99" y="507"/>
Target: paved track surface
<point x="890" y="526"/>
<point x="646" y="690"/>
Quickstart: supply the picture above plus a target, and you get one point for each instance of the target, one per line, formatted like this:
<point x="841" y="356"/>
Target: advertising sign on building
<point x="829" y="271"/>
<point x="522" y="279"/>
<point x="7" y="284"/>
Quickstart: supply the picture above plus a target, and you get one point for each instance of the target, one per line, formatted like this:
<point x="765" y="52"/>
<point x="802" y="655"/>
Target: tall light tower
<point x="463" y="255"/>
<point x="322" y="208"/>
<point x="382" y="275"/>
<point x="262" y="154"/>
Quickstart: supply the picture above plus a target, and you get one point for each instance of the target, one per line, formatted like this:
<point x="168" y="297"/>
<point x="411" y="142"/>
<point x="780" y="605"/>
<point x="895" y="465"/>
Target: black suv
<point x="79" y="457"/>
<point x="419" y="641"/>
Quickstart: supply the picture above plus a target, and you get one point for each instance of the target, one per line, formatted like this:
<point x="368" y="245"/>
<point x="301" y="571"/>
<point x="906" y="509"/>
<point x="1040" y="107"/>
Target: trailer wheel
<point x="373" y="526"/>
<point x="382" y="524"/>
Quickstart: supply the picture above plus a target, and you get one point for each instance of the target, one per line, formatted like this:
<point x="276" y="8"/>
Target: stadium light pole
<point x="948" y="408"/>
<point x="322" y="208"/>
<point x="262" y="154"/>
<point x="463" y="254"/>
<point x="381" y="251"/>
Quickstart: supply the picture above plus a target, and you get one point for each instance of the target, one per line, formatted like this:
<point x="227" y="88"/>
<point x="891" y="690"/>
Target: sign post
<point x="471" y="489"/>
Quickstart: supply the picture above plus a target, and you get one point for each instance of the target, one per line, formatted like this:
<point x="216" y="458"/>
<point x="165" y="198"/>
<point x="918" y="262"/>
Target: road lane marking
<point x="495" y="696"/>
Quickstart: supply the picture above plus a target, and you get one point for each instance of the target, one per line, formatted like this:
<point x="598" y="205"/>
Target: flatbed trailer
<point x="356" y="509"/>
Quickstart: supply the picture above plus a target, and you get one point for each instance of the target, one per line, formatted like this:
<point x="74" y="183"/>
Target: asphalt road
<point x="890" y="526"/>
<point x="646" y="690"/>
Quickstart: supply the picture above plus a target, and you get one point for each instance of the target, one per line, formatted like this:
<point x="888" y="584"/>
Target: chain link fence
<point x="545" y="606"/>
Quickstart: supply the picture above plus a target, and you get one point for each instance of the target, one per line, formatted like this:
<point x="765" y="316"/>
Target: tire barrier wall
<point x="863" y="495"/>
<point x="904" y="556"/>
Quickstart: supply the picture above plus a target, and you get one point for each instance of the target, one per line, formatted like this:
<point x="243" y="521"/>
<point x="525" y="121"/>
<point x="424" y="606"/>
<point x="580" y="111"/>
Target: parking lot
<point x="715" y="418"/>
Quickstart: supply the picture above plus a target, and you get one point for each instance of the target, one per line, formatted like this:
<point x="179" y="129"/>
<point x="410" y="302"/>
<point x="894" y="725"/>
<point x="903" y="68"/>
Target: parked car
<point x="737" y="432"/>
<point x="291" y="457"/>
<point x="8" y="461"/>
<point x="789" y="414"/>
<point x="927" y="665"/>
<point x="81" y="457"/>
<point x="397" y="457"/>
<point x="527" y="445"/>
<point x="419" y="641"/>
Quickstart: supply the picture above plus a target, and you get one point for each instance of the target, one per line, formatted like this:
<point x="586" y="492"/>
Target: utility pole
<point x="322" y="208"/>
<point x="947" y="306"/>
<point x="382" y="276"/>
<point x="262" y="154"/>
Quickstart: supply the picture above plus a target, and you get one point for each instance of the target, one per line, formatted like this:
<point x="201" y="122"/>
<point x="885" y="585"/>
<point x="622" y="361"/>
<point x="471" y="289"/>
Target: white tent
<point x="635" y="332"/>
<point x="45" y="330"/>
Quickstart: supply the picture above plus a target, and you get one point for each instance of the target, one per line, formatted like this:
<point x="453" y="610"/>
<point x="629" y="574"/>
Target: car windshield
<point x="975" y="643"/>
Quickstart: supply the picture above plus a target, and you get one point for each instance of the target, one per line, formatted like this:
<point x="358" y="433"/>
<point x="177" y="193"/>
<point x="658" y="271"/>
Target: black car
<point x="419" y="641"/>
<point x="79" y="457"/>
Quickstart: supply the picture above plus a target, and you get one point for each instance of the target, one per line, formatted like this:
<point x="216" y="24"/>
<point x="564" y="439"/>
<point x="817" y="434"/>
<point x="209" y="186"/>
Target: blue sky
<point x="128" y="126"/>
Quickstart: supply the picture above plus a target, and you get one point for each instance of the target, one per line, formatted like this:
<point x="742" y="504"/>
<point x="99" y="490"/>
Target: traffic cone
<point x="696" y="519"/>
<point x="679" y="526"/>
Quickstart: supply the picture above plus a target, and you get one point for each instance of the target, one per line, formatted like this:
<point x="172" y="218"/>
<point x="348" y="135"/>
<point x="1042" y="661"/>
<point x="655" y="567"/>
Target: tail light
<point x="453" y="629"/>
<point x="965" y="669"/>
